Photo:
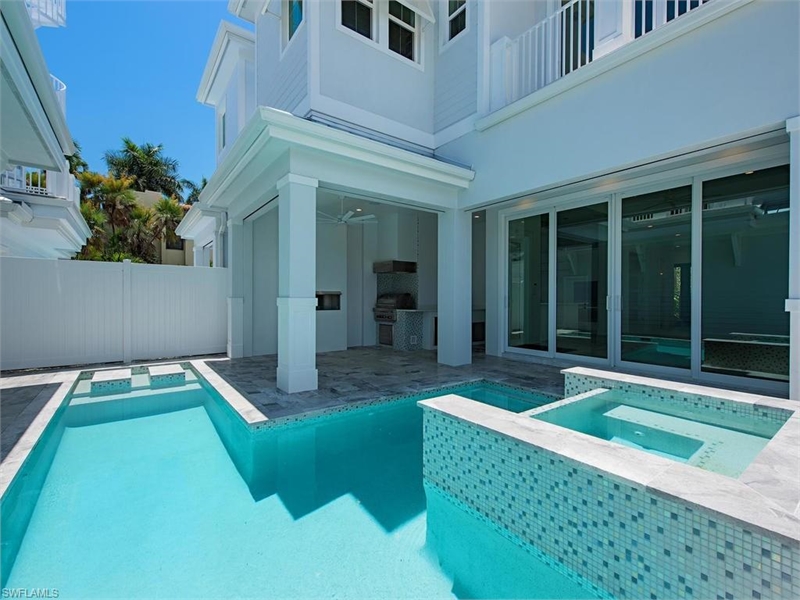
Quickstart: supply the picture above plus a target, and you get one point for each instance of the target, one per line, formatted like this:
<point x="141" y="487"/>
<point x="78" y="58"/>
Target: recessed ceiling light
<point x="358" y="210"/>
<point x="748" y="173"/>
<point x="677" y="235"/>
<point x="477" y="216"/>
<point x="649" y="226"/>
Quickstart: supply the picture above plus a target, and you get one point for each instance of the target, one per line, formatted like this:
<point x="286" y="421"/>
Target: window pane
<point x="358" y="17"/>
<point x="295" y="16"/>
<point x="401" y="40"/>
<point x="454" y="5"/>
<point x="582" y="281"/>
<point x="656" y="278"/>
<point x="403" y="13"/>
<point x="745" y="328"/>
<point x="528" y="258"/>
<point x="458" y="24"/>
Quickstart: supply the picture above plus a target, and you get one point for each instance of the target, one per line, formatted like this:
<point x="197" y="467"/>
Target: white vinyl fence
<point x="61" y="312"/>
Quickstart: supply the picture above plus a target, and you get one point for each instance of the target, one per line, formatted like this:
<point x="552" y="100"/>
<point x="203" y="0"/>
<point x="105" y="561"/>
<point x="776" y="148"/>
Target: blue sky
<point x="132" y="69"/>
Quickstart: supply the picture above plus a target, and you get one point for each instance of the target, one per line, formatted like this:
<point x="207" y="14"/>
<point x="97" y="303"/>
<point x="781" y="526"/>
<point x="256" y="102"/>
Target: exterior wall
<point x="282" y="74"/>
<point x="456" y="85"/>
<point x="332" y="277"/>
<point x="265" y="284"/>
<point x="44" y="320"/>
<point x="619" y="535"/>
<point x="362" y="76"/>
<point x="688" y="93"/>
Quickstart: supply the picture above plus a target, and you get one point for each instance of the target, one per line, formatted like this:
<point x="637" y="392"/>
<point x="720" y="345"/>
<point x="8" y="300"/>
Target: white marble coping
<point x="111" y="375"/>
<point x="718" y="494"/>
<point x="173" y="369"/>
<point x="251" y="415"/>
<point x="13" y="462"/>
<point x="688" y="388"/>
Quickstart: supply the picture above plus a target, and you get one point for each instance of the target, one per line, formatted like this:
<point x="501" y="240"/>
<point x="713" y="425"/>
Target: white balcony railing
<point x="60" y="88"/>
<point x="47" y="13"/>
<point x="40" y="182"/>
<point x="564" y="42"/>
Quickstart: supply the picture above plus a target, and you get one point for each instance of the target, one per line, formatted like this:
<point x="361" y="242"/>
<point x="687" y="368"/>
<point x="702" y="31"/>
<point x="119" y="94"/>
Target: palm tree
<point x="116" y="198"/>
<point x="76" y="163"/>
<point x="147" y="166"/>
<point x="194" y="189"/>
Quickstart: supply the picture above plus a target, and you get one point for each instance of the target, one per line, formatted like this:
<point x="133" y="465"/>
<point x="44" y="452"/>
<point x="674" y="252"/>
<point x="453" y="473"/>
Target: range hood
<point x="394" y="266"/>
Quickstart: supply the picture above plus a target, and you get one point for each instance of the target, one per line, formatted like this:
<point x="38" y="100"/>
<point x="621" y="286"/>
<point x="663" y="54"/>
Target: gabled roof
<point x="223" y="57"/>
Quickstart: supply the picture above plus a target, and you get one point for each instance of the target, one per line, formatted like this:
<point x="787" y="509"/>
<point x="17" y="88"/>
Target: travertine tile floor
<point x="374" y="372"/>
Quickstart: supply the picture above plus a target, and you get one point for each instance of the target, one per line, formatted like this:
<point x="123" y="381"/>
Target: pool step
<point x="111" y="381"/>
<point x="166" y="375"/>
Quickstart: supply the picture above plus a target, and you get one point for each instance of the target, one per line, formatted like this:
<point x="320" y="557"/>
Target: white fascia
<point x="16" y="18"/>
<point x="220" y="60"/>
<point x="200" y="222"/>
<point x="269" y="125"/>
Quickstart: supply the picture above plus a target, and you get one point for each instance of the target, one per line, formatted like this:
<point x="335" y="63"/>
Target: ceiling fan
<point x="345" y="218"/>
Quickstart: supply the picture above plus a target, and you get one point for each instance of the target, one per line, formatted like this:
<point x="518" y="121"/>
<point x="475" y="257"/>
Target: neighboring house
<point x="39" y="199"/>
<point x="610" y="183"/>
<point x="171" y="249"/>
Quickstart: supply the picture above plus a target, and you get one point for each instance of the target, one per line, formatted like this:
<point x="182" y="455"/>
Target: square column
<point x="793" y="302"/>
<point x="236" y="271"/>
<point x="455" y="288"/>
<point x="297" y="282"/>
<point x="197" y="257"/>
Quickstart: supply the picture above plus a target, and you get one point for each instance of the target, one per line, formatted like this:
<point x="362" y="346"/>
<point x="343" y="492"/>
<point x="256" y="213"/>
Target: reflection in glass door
<point x="582" y="281"/>
<point x="655" y="318"/>
<point x="528" y="256"/>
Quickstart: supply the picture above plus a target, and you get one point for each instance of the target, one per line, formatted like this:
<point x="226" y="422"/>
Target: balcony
<point x="39" y="182"/>
<point x="575" y="35"/>
<point x="60" y="88"/>
<point x="47" y="13"/>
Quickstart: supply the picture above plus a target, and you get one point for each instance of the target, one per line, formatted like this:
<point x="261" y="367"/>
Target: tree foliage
<point x="147" y="167"/>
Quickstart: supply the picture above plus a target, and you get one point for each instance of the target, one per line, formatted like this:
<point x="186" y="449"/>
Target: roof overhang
<point x="200" y="223"/>
<point x="276" y="130"/>
<point x="247" y="10"/>
<point x="26" y="72"/>
<point x="230" y="42"/>
<point x="43" y="227"/>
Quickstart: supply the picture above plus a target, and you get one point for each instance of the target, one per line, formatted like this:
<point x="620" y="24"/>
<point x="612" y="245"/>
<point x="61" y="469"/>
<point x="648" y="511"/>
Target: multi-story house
<point x="612" y="183"/>
<point x="39" y="198"/>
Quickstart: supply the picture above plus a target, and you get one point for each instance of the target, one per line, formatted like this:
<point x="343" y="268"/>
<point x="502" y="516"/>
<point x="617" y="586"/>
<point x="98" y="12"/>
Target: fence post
<point x="127" y="325"/>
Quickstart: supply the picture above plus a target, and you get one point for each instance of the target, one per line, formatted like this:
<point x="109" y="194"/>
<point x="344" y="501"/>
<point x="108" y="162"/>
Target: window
<point x="357" y="15"/>
<point x="456" y="18"/>
<point x="222" y="133"/>
<point x="402" y="30"/>
<point x="295" y="16"/>
<point x="173" y="240"/>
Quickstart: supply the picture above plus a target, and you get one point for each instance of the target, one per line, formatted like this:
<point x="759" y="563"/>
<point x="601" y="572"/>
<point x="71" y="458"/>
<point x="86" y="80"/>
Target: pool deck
<point x="345" y="377"/>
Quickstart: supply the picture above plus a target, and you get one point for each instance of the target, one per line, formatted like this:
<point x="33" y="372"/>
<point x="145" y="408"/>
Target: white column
<point x="495" y="282"/>
<point x="197" y="256"/>
<point x="297" y="274"/>
<point x="218" y="246"/>
<point x="613" y="25"/>
<point x="455" y="288"/>
<point x="236" y="268"/>
<point x="793" y="302"/>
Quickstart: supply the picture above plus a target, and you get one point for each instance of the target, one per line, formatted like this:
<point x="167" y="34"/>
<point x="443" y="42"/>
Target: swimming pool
<point x="716" y="441"/>
<point x="165" y="492"/>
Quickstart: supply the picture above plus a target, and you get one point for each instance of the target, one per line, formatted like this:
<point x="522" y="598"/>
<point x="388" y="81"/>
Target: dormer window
<point x="456" y="17"/>
<point x="294" y="9"/>
<point x="357" y="15"/>
<point x="402" y="30"/>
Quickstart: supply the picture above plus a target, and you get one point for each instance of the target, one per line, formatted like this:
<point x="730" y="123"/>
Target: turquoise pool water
<point x="506" y="398"/>
<point x="189" y="503"/>
<point x="704" y="438"/>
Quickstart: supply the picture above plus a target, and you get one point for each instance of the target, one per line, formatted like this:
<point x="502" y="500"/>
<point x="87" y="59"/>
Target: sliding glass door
<point x="745" y="327"/>
<point x="528" y="275"/>
<point x="656" y="297"/>
<point x="582" y="281"/>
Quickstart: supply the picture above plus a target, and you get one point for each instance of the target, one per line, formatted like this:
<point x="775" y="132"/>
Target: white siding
<point x="56" y="312"/>
<point x="282" y="79"/>
<point x="456" y="85"/>
<point x="726" y="79"/>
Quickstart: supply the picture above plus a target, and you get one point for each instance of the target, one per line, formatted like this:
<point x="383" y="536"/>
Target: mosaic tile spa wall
<point x="619" y="536"/>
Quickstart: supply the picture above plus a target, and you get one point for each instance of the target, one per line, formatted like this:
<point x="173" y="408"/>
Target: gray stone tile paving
<point x="370" y="373"/>
<point x="18" y="408"/>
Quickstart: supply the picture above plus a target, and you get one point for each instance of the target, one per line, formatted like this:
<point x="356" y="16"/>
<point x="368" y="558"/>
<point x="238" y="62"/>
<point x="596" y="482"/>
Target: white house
<point x="603" y="182"/>
<point x="39" y="199"/>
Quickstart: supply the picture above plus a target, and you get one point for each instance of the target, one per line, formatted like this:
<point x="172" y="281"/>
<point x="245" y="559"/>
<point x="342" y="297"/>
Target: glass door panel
<point x="655" y="318"/>
<point x="582" y="281"/>
<point x="528" y="256"/>
<point x="745" y="328"/>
